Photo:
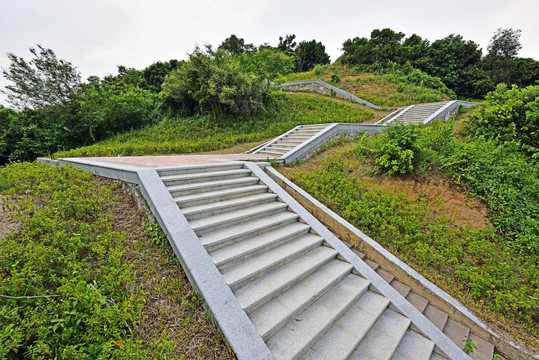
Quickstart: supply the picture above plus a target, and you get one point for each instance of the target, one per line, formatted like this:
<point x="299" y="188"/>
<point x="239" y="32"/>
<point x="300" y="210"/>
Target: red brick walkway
<point x="180" y="160"/>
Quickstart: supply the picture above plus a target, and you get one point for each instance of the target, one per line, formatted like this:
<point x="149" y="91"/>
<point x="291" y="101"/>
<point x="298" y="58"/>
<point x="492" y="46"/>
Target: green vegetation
<point x="382" y="86"/>
<point x="204" y="132"/>
<point x="511" y="114"/>
<point x="497" y="267"/>
<point x="76" y="282"/>
<point x="459" y="64"/>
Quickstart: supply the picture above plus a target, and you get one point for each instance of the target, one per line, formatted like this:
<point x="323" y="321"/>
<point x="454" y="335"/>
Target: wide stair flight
<point x="303" y="298"/>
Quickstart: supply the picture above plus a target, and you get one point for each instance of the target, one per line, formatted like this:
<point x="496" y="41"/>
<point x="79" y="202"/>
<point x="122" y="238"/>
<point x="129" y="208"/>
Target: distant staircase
<point x="306" y="293"/>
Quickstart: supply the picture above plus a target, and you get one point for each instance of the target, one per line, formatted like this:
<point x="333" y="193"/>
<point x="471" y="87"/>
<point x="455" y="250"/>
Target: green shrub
<point x="399" y="150"/>
<point x="510" y="114"/>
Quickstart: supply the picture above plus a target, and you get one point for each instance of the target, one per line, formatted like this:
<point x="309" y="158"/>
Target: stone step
<point x="240" y="250"/>
<point x="189" y="189"/>
<point x="216" y="208"/>
<point x="274" y="314"/>
<point x="280" y="144"/>
<point x="436" y="316"/>
<point x="403" y="289"/>
<point x="384" y="337"/>
<point x="219" y="222"/>
<point x="456" y="332"/>
<point x="271" y="153"/>
<point x="344" y="336"/>
<point x="263" y="289"/>
<point x="219" y="195"/>
<point x="171" y="180"/>
<point x="301" y="332"/>
<point x="199" y="169"/>
<point x="419" y="302"/>
<point x="414" y="346"/>
<point x="290" y="142"/>
<point x="301" y="137"/>
<point x="225" y="237"/>
<point x="484" y="350"/>
<point x="257" y="265"/>
<point x="280" y="149"/>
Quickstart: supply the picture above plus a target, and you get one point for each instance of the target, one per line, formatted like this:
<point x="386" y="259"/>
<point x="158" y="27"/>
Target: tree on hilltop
<point x="43" y="81"/>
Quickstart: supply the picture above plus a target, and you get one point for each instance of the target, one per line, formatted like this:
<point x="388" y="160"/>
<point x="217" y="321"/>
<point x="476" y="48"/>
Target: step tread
<point x="249" y="228"/>
<point x="272" y="315"/>
<point x="306" y="328"/>
<point x="253" y="266"/>
<point x="186" y="199"/>
<point x="222" y="219"/>
<point x="208" y="174"/>
<point x="257" y="243"/>
<point x="198" y="168"/>
<point x="253" y="294"/>
<point x="214" y="206"/>
<point x="383" y="338"/>
<point x="456" y="332"/>
<point x="484" y="351"/>
<point x="436" y="316"/>
<point x="414" y="346"/>
<point x="343" y="337"/>
<point x="206" y="184"/>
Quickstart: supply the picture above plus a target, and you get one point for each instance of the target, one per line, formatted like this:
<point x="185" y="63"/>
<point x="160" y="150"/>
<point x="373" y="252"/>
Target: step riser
<point x="206" y="229"/>
<point x="196" y="190"/>
<point x="284" y="260"/>
<point x="278" y="291"/>
<point x="304" y="306"/>
<point x="202" y="169"/>
<point x="213" y="199"/>
<point x="215" y="177"/>
<point x="239" y="237"/>
<point x="226" y="264"/>
<point x="222" y="210"/>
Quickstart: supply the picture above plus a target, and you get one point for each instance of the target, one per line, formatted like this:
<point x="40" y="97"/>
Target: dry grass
<point x="171" y="305"/>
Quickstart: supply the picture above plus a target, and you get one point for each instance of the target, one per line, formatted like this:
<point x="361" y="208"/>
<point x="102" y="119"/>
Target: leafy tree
<point x="357" y="51"/>
<point x="525" y="72"/>
<point x="235" y="45"/>
<point x="268" y="63"/>
<point x="505" y="43"/>
<point x="214" y="81"/>
<point x="44" y="80"/>
<point x="502" y="50"/>
<point x="456" y="62"/>
<point x="154" y="75"/>
<point x="386" y="45"/>
<point x="287" y="44"/>
<point x="310" y="54"/>
<point x="414" y="49"/>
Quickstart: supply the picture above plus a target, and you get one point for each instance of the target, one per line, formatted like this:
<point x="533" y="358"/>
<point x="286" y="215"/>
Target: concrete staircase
<point x="306" y="296"/>
<point x="415" y="114"/>
<point x="292" y="139"/>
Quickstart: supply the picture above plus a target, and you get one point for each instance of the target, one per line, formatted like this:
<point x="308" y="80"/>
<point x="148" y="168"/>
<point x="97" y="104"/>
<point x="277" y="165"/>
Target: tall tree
<point x="310" y="54"/>
<point x="44" y="80"/>
<point x="235" y="45"/>
<point x="287" y="44"/>
<point x="503" y="49"/>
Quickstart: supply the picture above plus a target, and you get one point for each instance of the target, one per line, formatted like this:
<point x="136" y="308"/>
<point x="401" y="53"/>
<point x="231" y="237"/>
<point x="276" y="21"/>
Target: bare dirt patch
<point x="7" y="223"/>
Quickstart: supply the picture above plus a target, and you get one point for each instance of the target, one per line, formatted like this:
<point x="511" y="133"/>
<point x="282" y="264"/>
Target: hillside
<point x="394" y="88"/>
<point x="179" y="135"/>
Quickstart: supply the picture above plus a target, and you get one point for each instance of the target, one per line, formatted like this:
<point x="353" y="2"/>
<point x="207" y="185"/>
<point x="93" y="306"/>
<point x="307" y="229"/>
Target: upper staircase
<point x="307" y="295"/>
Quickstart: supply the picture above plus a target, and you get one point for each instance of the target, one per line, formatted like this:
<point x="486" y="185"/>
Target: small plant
<point x="334" y="78"/>
<point x="398" y="154"/>
<point x="469" y="346"/>
<point x="154" y="232"/>
<point x="318" y="70"/>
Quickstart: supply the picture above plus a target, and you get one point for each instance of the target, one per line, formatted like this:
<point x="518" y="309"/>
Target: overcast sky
<point x="98" y="35"/>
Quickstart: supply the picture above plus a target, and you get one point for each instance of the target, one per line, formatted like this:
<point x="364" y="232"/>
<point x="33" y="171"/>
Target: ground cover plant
<point x="88" y="276"/>
<point x="493" y="269"/>
<point x="180" y="135"/>
<point x="382" y="86"/>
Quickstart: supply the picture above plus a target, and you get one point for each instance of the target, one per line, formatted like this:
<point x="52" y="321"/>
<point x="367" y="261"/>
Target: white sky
<point x="98" y="35"/>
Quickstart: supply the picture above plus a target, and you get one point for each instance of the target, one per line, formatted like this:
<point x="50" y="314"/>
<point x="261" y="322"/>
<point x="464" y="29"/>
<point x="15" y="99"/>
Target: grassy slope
<point x="121" y="293"/>
<point x="204" y="133"/>
<point x="478" y="266"/>
<point x="383" y="90"/>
